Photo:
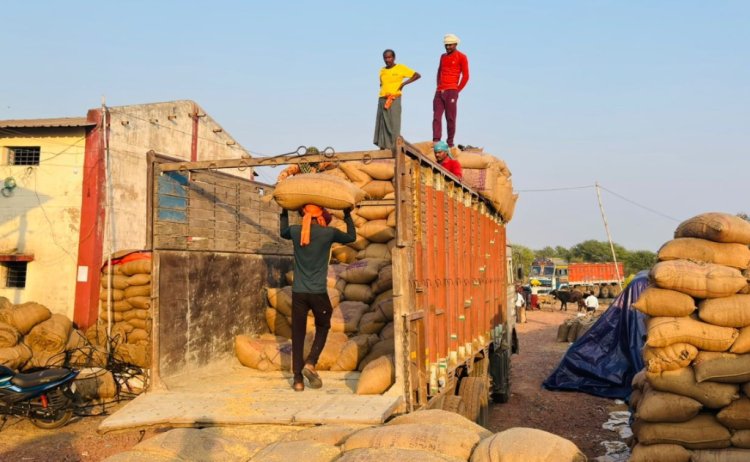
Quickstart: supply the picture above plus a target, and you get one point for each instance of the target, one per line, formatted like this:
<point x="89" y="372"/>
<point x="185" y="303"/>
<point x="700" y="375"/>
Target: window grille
<point x="15" y="274"/>
<point x="24" y="155"/>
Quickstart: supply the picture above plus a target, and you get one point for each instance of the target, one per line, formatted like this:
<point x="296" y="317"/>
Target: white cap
<point x="450" y="38"/>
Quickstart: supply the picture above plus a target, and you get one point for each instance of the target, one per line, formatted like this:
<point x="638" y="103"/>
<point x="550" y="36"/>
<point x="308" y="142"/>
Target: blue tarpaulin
<point x="604" y="360"/>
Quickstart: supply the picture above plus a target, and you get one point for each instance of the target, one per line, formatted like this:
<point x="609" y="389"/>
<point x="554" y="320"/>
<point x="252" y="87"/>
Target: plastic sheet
<point x="604" y="360"/>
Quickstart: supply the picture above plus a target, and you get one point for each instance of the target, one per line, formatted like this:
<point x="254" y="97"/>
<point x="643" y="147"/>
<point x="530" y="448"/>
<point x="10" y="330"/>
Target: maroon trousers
<point x="445" y="101"/>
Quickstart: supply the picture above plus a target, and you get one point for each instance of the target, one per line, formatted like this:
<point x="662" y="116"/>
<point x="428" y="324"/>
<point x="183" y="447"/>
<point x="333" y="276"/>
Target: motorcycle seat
<point x="33" y="379"/>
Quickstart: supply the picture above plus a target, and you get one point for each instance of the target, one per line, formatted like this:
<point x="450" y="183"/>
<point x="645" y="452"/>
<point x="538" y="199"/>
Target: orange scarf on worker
<point x="311" y="211"/>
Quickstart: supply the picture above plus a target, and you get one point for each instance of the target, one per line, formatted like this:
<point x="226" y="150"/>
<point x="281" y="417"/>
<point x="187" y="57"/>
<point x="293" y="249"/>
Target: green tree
<point x="596" y="251"/>
<point x="546" y="252"/>
<point x="522" y="258"/>
<point x="639" y="260"/>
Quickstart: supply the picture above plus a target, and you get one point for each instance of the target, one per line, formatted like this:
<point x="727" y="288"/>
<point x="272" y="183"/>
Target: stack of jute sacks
<point x="572" y="329"/>
<point x="692" y="402"/>
<point x="129" y="300"/>
<point x="32" y="337"/>
<point x="422" y="436"/>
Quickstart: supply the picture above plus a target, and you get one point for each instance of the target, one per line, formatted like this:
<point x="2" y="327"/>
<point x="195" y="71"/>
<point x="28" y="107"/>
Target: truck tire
<point x="473" y="390"/>
<point x="453" y="403"/>
<point x="500" y="375"/>
<point x="604" y="292"/>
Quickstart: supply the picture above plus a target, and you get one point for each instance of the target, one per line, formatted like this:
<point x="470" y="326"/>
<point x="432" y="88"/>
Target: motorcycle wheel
<point x="62" y="412"/>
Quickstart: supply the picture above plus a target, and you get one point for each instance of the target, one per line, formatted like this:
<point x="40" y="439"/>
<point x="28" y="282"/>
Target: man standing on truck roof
<point x="312" y="250"/>
<point x="388" y="120"/>
<point x="452" y="77"/>
<point x="446" y="160"/>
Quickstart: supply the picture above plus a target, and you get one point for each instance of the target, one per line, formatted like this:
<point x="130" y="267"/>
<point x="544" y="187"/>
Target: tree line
<point x="590" y="251"/>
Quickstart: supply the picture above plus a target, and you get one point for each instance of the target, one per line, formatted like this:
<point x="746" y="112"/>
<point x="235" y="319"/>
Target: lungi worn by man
<point x="312" y="250"/>
<point x="392" y="81"/>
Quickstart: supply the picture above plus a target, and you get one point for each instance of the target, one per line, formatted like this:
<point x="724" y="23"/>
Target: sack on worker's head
<point x="700" y="280"/>
<point x="522" y="444"/>
<point x="695" y="249"/>
<point x="319" y="189"/>
<point x="24" y="316"/>
<point x="717" y="227"/>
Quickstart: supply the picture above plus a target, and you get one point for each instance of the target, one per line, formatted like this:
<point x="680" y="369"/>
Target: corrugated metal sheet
<point x="47" y="123"/>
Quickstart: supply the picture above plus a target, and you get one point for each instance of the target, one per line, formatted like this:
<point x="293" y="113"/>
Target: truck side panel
<point x="591" y="273"/>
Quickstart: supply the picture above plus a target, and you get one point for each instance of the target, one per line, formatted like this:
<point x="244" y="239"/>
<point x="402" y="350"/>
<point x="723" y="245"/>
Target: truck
<point x="215" y="245"/>
<point x="602" y="279"/>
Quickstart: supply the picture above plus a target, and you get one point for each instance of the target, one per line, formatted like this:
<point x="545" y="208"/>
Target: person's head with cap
<point x="442" y="150"/>
<point x="451" y="41"/>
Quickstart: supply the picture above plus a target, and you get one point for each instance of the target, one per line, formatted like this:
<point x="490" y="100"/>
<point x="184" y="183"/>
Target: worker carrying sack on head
<point x="312" y="249"/>
<point x="310" y="167"/>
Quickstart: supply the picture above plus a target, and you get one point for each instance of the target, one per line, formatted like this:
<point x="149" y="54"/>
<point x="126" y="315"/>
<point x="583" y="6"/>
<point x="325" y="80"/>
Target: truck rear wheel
<point x="475" y="395"/>
<point x="500" y="374"/>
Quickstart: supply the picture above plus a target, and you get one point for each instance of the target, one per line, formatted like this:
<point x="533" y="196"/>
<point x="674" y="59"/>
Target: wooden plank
<point x="276" y="160"/>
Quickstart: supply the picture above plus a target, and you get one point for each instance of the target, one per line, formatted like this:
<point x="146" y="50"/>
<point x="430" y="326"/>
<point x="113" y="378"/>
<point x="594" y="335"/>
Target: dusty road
<point x="576" y="416"/>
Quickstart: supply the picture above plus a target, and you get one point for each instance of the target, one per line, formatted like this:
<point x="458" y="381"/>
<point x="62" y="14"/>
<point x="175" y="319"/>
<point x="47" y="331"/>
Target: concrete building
<point x="63" y="211"/>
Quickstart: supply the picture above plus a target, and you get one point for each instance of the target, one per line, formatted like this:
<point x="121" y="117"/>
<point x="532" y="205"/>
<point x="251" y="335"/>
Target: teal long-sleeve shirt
<point x="311" y="261"/>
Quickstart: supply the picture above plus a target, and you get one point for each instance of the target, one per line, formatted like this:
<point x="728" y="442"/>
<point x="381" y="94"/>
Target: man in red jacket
<point x="446" y="160"/>
<point x="452" y="76"/>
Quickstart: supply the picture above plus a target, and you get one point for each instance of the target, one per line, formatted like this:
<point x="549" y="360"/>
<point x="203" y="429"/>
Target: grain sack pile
<point x="422" y="436"/>
<point x="129" y="299"/>
<point x="692" y="402"/>
<point x="572" y="329"/>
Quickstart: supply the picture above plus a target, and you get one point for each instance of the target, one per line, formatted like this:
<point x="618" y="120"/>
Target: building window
<point x="24" y="155"/>
<point x="15" y="273"/>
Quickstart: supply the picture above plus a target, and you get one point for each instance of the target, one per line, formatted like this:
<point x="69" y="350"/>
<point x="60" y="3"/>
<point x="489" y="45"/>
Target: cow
<point x="566" y="296"/>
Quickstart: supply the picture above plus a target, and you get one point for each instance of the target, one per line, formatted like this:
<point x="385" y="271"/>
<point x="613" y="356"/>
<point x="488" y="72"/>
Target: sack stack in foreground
<point x="692" y="402"/>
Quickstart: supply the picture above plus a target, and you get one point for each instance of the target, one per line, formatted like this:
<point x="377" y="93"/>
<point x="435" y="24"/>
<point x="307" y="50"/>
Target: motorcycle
<point x="45" y="397"/>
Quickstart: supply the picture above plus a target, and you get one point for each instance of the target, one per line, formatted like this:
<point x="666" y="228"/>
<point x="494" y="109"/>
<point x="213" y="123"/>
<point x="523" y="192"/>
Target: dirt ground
<point x="575" y="416"/>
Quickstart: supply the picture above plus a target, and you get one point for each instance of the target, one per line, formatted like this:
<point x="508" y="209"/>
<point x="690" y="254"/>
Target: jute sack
<point x="700" y="432"/>
<point x="717" y="227"/>
<point x="266" y="352"/>
<point x="377" y="189"/>
<point x="634" y="399"/>
<point x="378" y="231"/>
<point x="381" y="348"/>
<point x="391" y="221"/>
<point x="437" y="417"/>
<point x="384" y="280"/>
<point x="136" y="314"/>
<point x="522" y="444"/>
<point x="337" y="172"/>
<point x="5" y="303"/>
<point x="327" y="434"/>
<point x="377" y="377"/>
<point x="741" y="439"/>
<point x="659" y="406"/>
<point x="360" y="243"/>
<point x="119" y="282"/>
<point x="117" y="295"/>
<point x="118" y="306"/>
<point x="663" y="302"/>
<point x="385" y="307"/>
<point x="445" y="440"/>
<point x="250" y="352"/>
<point x="278" y="323"/>
<point x="659" y="453"/>
<point x="379" y="169"/>
<point x="316" y="188"/>
<point x="139" y="279"/>
<point x="394" y="454"/>
<point x="345" y="318"/>
<point x="375" y="212"/>
<point x="372" y="322"/>
<point x="573" y="331"/>
<point x="387" y="332"/>
<point x="363" y="271"/>
<point x="639" y="379"/>
<point x="138" y="291"/>
<point x="737" y="415"/>
<point x="145" y="324"/>
<point x="562" y="331"/>
<point x="669" y="358"/>
<point x="353" y="171"/>
<point x="9" y="335"/>
<point x="134" y="267"/>
<point x="281" y="299"/>
<point x="375" y="250"/>
<point x="722" y="367"/>
<point x="344" y="253"/>
<point x="335" y="343"/>
<point x="383" y="296"/>
<point x="691" y="248"/>
<point x="116" y="316"/>
<point x="477" y="160"/>
<point x="140" y="303"/>
<point x="353" y="352"/>
<point x="24" y="316"/>
<point x="334" y="295"/>
<point x="700" y="280"/>
<point x="742" y="344"/>
<point x="15" y="357"/>
<point x="47" y="341"/>
<point x="138" y="354"/>
<point x="190" y="444"/>
<point x="308" y="451"/>
<point x="666" y="331"/>
<point x="358" y="292"/>
<point x="720" y="455"/>
<point x="682" y="382"/>
<point x="732" y="311"/>
<point x="95" y="382"/>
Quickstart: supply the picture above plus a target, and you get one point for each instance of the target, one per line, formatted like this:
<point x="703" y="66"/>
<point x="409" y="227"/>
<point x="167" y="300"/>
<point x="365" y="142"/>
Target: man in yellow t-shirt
<point x="393" y="78"/>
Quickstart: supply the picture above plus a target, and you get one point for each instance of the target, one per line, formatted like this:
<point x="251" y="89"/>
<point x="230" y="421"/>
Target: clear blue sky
<point x="650" y="98"/>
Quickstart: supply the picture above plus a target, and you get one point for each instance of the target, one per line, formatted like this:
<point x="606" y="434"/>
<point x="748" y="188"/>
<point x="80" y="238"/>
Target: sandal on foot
<point x="299" y="386"/>
<point x="312" y="376"/>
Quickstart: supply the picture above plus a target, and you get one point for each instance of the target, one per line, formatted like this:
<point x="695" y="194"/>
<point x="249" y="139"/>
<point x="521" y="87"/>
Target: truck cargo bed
<point x="227" y="393"/>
